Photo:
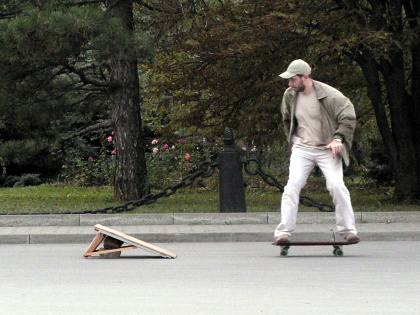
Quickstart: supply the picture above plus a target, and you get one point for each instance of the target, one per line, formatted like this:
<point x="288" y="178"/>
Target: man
<point x="319" y="122"/>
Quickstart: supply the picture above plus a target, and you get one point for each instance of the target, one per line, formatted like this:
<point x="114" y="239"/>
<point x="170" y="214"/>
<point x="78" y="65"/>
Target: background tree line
<point x="196" y="67"/>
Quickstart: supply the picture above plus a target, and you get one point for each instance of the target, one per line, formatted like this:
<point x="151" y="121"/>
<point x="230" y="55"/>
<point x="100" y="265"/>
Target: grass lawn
<point x="58" y="198"/>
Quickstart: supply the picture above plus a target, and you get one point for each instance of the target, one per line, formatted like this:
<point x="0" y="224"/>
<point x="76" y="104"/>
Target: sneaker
<point x="282" y="239"/>
<point x="352" y="237"/>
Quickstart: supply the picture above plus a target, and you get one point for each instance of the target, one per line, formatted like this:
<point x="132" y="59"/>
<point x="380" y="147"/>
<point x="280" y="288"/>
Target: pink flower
<point x="113" y="133"/>
<point x="109" y="139"/>
<point x="180" y="140"/>
<point x="154" y="141"/>
<point x="188" y="156"/>
<point x="90" y="158"/>
<point x="155" y="150"/>
<point x="165" y="147"/>
<point x="113" y="152"/>
<point x="188" y="165"/>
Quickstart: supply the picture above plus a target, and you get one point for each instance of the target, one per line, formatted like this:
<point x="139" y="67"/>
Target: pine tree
<point x="62" y="57"/>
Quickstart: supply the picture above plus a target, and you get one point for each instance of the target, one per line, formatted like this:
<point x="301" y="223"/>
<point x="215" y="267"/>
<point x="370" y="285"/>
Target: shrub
<point x="167" y="163"/>
<point x="379" y="166"/>
<point x="89" y="165"/>
<point x="21" y="181"/>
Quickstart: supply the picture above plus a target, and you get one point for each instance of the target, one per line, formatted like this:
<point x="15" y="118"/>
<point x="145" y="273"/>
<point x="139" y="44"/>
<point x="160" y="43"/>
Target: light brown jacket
<point x="338" y="116"/>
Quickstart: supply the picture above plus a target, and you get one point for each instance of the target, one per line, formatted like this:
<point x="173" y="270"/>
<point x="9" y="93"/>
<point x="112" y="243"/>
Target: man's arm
<point x="346" y="119"/>
<point x="286" y="116"/>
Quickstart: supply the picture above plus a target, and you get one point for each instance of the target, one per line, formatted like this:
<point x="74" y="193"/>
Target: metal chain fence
<point x="271" y="181"/>
<point x="205" y="169"/>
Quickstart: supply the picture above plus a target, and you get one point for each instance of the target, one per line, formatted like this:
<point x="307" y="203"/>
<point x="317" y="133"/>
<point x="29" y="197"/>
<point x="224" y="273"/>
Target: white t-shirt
<point x="309" y="128"/>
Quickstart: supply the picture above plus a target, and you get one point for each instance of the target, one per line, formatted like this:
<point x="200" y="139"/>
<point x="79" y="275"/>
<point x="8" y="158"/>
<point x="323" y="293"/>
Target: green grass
<point x="54" y="198"/>
<point x="59" y="198"/>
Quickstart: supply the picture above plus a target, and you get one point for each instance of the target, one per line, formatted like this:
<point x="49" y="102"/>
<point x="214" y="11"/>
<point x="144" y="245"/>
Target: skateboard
<point x="338" y="250"/>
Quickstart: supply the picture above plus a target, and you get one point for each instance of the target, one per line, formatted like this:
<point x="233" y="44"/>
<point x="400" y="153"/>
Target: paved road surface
<point x="212" y="278"/>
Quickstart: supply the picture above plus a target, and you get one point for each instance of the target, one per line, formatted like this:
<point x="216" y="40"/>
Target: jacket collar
<point x="319" y="90"/>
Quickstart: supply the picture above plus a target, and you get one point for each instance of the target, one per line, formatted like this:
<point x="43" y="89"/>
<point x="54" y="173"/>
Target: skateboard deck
<point x="338" y="251"/>
<point x="133" y="242"/>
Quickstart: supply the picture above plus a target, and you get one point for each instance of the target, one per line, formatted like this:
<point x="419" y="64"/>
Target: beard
<point x="301" y="87"/>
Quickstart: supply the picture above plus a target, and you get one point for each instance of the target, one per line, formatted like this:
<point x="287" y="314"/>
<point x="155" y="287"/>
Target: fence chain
<point x="272" y="181"/>
<point x="205" y="169"/>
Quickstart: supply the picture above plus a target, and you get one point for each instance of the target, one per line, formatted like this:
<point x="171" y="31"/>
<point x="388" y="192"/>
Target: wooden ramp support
<point x="132" y="242"/>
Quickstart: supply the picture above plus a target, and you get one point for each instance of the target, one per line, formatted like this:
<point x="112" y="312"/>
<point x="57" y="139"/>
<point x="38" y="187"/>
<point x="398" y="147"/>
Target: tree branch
<point x="82" y="2"/>
<point x="89" y="81"/>
<point x="15" y="12"/>
<point x="103" y="124"/>
<point x="10" y="14"/>
<point x="157" y="9"/>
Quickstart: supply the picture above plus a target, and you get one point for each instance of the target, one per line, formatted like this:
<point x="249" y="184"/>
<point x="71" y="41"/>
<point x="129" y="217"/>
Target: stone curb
<point x="198" y="218"/>
<point x="201" y="227"/>
<point x="203" y="233"/>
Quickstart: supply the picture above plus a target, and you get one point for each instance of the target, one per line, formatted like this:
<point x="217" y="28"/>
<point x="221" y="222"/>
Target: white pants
<point x="302" y="162"/>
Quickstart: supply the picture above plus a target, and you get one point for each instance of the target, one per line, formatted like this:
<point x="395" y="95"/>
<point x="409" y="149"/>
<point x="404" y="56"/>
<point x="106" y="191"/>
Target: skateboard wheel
<point x="338" y="252"/>
<point x="284" y="252"/>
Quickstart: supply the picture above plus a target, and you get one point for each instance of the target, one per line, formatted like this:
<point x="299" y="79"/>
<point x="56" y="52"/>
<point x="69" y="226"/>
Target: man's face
<point x="296" y="83"/>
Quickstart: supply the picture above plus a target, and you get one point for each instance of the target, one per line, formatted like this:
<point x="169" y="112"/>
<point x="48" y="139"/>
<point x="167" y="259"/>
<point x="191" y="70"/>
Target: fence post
<point x="231" y="182"/>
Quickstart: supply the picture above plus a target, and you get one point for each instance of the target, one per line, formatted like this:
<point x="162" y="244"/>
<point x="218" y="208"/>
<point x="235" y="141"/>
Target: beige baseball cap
<point x="296" y="67"/>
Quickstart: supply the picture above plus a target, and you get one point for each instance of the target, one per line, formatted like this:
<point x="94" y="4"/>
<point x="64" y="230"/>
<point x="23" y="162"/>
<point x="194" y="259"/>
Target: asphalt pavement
<point x="225" y="265"/>
<point x="212" y="278"/>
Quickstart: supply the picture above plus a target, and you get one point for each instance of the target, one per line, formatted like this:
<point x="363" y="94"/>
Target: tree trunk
<point x="399" y="139"/>
<point x="401" y="111"/>
<point x="130" y="168"/>
<point x="415" y="117"/>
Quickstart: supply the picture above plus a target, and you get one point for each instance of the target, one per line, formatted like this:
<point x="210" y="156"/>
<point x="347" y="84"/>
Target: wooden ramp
<point x="133" y="242"/>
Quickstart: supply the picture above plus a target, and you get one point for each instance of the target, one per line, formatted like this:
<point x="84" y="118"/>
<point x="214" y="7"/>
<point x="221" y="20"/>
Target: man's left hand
<point x="335" y="147"/>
